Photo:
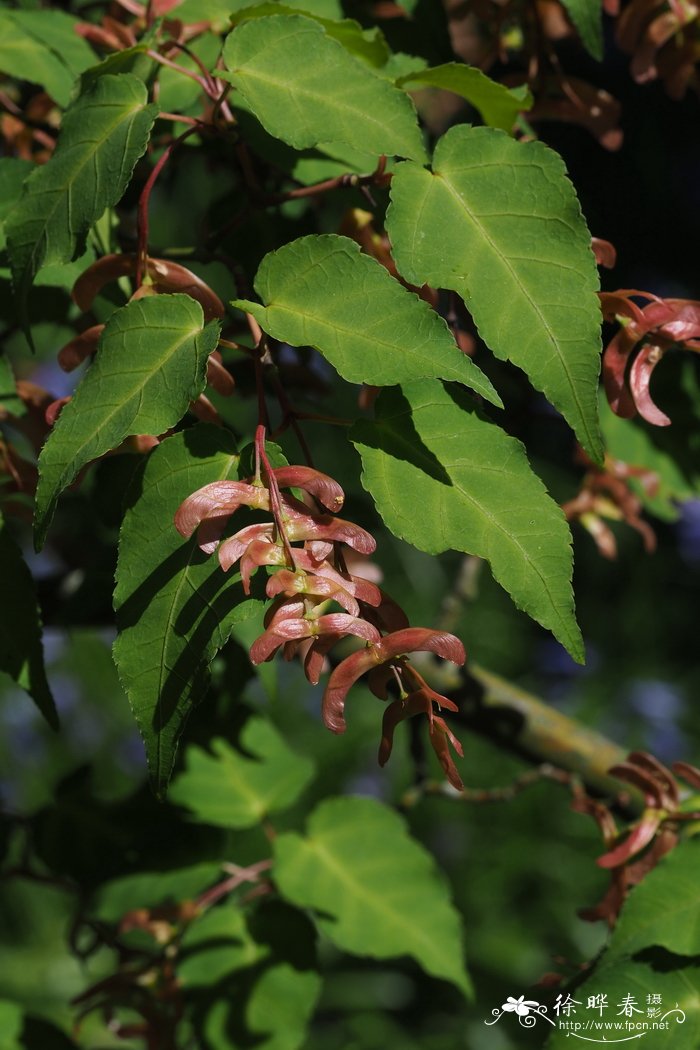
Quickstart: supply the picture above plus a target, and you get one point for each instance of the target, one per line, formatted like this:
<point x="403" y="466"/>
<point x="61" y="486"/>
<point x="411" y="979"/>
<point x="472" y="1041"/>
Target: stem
<point x="275" y="500"/>
<point x="192" y="121"/>
<point x="519" y="722"/>
<point x="290" y="414"/>
<point x="236" y="879"/>
<point x="204" y="84"/>
<point x="142" y="251"/>
<point x="350" y="180"/>
<point x="214" y="85"/>
<point x="506" y="793"/>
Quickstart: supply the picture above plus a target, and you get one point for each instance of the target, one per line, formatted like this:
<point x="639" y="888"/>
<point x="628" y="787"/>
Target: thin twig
<point x="238" y="877"/>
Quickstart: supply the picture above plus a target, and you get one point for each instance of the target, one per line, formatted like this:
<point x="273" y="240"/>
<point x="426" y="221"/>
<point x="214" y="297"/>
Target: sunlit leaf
<point x="498" y="105"/>
<point x="306" y="89"/>
<point x="103" y="135"/>
<point x="323" y="292"/>
<point x="384" y="900"/>
<point x="498" y="222"/>
<point x="21" y="653"/>
<point x="175" y="606"/>
<point x="237" y="789"/>
<point x="368" y="44"/>
<point x="151" y="362"/>
<point x="429" y="448"/>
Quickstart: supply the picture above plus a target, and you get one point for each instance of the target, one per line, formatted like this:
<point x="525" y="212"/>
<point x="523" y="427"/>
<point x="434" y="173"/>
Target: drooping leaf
<point x="150" y="889"/>
<point x="664" y="910"/>
<point x="628" y="987"/>
<point x="321" y="291"/>
<point x="498" y="222"/>
<point x="226" y="787"/>
<point x="150" y="363"/>
<point x="103" y="135"/>
<point x="306" y="89"/>
<point x="498" y="105"/>
<point x="368" y="44"/>
<point x="587" y="16"/>
<point x="384" y="900"/>
<point x="21" y="652"/>
<point x="484" y="500"/>
<point x="13" y="172"/>
<point x="175" y="607"/>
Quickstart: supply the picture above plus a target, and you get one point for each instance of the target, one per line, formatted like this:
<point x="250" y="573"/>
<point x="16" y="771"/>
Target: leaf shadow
<point x="394" y="433"/>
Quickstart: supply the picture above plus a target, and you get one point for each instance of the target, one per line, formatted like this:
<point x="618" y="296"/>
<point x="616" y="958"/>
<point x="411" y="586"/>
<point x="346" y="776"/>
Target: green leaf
<point x="221" y="11"/>
<point x="216" y="945"/>
<point x="150" y="363"/>
<point x="281" y="1006"/>
<point x="21" y="652"/>
<point x="678" y="1023"/>
<point x="25" y="57"/>
<point x="276" y="1014"/>
<point x="11" y="1021"/>
<point x="485" y="500"/>
<point x="232" y="790"/>
<point x="150" y="889"/>
<point x="57" y="32"/>
<point x="133" y="60"/>
<point x="587" y="16"/>
<point x="367" y="44"/>
<point x="175" y="606"/>
<point x="664" y="910"/>
<point x="671" y="457"/>
<point x="10" y="401"/>
<point x="323" y="292"/>
<point x="306" y="89"/>
<point x="498" y="222"/>
<point x="384" y="900"/>
<point x="498" y="105"/>
<point x="103" y="135"/>
<point x="13" y="172"/>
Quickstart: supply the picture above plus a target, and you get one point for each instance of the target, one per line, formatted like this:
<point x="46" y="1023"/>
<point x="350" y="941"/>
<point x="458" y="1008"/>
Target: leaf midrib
<point x="64" y="189"/>
<point x="444" y="179"/>
<point x="315" y="97"/>
<point x="375" y="903"/>
<point x="137" y="391"/>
